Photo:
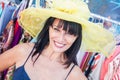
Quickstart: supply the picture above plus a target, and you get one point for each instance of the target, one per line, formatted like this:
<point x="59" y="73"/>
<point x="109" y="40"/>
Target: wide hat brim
<point x="94" y="37"/>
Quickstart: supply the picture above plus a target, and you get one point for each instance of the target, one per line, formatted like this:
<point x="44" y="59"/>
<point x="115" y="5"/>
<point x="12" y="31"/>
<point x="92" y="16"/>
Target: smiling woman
<point x="62" y="34"/>
<point x="61" y="31"/>
<point x="57" y="46"/>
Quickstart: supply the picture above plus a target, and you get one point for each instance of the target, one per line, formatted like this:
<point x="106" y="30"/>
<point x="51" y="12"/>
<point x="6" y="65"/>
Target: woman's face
<point x="60" y="40"/>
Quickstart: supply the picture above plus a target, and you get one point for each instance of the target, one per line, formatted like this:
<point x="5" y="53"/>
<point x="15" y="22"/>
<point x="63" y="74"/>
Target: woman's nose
<point x="62" y="36"/>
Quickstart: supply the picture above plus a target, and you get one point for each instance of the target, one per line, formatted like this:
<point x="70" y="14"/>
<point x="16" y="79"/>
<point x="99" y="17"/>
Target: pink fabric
<point x="111" y="67"/>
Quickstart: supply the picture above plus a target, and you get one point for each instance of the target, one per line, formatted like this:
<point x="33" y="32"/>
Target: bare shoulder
<point x="23" y="49"/>
<point x="77" y="74"/>
<point x="24" y="46"/>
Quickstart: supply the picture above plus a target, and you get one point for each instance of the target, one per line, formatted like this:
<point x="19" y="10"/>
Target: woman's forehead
<point x="58" y="23"/>
<point x="61" y="24"/>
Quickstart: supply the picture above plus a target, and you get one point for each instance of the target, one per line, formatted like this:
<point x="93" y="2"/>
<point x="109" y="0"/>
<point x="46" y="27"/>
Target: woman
<point x="55" y="53"/>
<point x="53" y="56"/>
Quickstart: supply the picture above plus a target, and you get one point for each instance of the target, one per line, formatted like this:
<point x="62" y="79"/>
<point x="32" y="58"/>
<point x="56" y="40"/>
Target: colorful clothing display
<point x="111" y="67"/>
<point x="95" y="65"/>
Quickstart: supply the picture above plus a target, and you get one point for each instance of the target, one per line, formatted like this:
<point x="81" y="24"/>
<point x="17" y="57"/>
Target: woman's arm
<point x="14" y="55"/>
<point x="8" y="58"/>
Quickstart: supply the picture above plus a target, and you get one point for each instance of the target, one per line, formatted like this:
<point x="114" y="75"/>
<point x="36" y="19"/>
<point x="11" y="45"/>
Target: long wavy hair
<point x="43" y="40"/>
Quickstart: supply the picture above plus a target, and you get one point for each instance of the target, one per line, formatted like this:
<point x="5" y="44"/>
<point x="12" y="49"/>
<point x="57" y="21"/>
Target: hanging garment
<point x="1" y="8"/>
<point x="6" y="16"/>
<point x="17" y="34"/>
<point x="111" y="67"/>
<point x="94" y="73"/>
<point x="8" y="35"/>
<point x="80" y="56"/>
<point x="23" y="5"/>
<point x="7" y="39"/>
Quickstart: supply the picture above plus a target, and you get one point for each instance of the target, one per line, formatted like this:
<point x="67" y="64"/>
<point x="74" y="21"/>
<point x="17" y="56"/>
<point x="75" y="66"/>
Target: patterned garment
<point x="7" y="39"/>
<point x="9" y="74"/>
<point x="8" y="35"/>
<point x="111" y="66"/>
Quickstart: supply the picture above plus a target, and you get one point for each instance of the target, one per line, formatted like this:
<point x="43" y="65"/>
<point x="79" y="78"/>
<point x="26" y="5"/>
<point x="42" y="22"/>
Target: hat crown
<point x="67" y="6"/>
<point x="72" y="7"/>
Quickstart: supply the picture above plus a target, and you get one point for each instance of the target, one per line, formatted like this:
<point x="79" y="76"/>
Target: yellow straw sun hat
<point x="94" y="37"/>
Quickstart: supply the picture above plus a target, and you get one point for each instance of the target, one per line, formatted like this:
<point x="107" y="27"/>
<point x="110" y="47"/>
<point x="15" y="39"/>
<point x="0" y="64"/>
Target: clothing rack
<point x="105" y="19"/>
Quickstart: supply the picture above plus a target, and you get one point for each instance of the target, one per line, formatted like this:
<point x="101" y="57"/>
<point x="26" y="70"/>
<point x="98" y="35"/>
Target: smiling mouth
<point x="59" y="45"/>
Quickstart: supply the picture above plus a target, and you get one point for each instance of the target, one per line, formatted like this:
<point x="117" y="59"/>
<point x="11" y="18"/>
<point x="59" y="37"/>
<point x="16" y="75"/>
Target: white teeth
<point x="59" y="44"/>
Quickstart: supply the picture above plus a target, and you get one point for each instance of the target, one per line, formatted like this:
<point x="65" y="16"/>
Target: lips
<point x="59" y="45"/>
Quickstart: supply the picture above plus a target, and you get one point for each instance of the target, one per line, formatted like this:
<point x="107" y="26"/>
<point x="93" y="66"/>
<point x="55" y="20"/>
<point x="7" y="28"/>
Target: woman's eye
<point x="68" y="33"/>
<point x="56" y="29"/>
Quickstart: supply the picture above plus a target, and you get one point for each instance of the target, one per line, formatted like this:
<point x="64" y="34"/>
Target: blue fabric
<point x="1" y="10"/>
<point x="6" y="17"/>
<point x="42" y="3"/>
<point x="20" y="74"/>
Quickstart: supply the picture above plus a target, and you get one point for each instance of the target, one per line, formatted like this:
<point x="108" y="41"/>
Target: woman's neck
<point x="53" y="56"/>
